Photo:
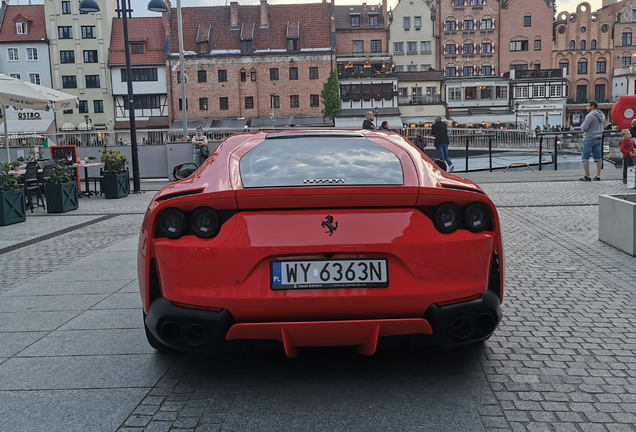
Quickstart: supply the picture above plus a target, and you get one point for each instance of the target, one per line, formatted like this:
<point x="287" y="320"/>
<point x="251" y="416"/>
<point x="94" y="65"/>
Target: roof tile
<point x="148" y="29"/>
<point x="36" y="29"/>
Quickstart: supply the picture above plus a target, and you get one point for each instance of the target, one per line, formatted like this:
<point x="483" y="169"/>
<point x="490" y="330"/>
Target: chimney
<point x="264" y="14"/>
<point x="385" y="13"/>
<point x="608" y="2"/>
<point x="234" y="15"/>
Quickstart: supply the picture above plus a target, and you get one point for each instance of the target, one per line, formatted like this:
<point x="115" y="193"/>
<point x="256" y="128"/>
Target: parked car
<point x="319" y="238"/>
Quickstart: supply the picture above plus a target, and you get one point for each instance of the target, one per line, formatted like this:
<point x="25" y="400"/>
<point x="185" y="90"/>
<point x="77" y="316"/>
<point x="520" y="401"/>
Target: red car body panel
<point x="232" y="270"/>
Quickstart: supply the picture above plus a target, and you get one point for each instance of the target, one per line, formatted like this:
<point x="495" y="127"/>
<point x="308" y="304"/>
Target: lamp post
<point x="516" y="114"/>
<point x="271" y="101"/>
<point x="90" y="6"/>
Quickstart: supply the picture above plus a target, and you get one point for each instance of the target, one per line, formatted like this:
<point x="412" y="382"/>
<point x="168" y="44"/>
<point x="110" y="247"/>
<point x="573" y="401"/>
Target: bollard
<point x="540" y="150"/>
<point x="467" y="139"/>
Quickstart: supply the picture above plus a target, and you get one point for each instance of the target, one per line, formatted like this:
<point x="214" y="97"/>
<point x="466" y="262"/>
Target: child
<point x="627" y="148"/>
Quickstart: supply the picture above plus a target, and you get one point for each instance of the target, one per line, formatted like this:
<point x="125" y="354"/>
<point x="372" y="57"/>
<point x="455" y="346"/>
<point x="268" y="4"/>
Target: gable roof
<point x="33" y="14"/>
<point x="314" y="20"/>
<point x="344" y="12"/>
<point x="146" y="30"/>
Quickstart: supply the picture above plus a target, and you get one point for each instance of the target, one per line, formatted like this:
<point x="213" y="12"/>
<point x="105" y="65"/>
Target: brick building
<point x="247" y="61"/>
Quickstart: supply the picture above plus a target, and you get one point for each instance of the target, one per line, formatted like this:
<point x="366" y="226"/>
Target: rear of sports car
<point x="319" y="239"/>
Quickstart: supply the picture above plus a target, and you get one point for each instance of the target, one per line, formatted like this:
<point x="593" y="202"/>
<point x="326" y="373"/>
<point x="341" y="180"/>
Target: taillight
<point x="172" y="223"/>
<point x="477" y="217"/>
<point x="447" y="217"/>
<point x="205" y="222"/>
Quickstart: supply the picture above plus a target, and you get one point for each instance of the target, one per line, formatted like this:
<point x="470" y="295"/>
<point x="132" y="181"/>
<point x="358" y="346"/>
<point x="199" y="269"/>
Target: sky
<point x="140" y="6"/>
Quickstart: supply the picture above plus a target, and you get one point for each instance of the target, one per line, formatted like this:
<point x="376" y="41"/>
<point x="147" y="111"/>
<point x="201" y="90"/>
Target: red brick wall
<point x="236" y="90"/>
<point x="344" y="40"/>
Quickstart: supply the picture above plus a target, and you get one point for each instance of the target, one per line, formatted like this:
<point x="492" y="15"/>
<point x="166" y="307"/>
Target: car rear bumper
<point x="207" y="330"/>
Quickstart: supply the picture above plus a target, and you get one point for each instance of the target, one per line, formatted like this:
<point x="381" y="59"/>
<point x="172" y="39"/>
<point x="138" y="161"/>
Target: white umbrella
<point x="22" y="94"/>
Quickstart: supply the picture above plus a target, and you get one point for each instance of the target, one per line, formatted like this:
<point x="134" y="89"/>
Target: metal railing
<point x="419" y="100"/>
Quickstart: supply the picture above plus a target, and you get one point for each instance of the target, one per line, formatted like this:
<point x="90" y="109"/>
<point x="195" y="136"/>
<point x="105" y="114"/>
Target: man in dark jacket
<point x="632" y="129"/>
<point x="440" y="132"/>
<point x="368" y="121"/>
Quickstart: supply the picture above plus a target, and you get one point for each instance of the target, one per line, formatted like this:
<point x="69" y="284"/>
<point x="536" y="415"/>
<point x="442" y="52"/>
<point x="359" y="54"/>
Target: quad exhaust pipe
<point x="194" y="335"/>
<point x="463" y="327"/>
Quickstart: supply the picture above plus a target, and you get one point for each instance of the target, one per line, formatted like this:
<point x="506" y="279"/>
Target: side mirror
<point x="440" y="163"/>
<point x="184" y="170"/>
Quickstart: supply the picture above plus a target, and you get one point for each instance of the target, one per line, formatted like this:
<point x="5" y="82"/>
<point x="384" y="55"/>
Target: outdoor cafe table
<point x="87" y="192"/>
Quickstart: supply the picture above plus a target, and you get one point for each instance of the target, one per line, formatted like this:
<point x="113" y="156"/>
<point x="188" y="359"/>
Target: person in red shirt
<point x="627" y="149"/>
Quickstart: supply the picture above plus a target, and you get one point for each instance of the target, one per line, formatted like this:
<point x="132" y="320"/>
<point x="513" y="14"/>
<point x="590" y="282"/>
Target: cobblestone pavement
<point x="73" y="355"/>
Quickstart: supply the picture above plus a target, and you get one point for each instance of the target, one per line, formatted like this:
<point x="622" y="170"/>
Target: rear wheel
<point x="153" y="341"/>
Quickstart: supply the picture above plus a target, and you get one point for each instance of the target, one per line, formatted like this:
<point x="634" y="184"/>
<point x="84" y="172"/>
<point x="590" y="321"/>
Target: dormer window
<point x="293" y="44"/>
<point x="355" y="20"/>
<point x="373" y="20"/>
<point x="203" y="47"/>
<point x="21" y="28"/>
<point x="136" y="48"/>
<point x="247" y="46"/>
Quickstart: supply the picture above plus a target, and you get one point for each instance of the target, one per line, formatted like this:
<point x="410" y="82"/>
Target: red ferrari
<point x="319" y="238"/>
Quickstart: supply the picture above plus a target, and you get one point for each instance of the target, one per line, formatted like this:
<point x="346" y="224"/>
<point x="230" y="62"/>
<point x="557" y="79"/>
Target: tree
<point x="331" y="97"/>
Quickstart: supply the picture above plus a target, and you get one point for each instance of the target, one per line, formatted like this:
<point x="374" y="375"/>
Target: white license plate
<point x="371" y="273"/>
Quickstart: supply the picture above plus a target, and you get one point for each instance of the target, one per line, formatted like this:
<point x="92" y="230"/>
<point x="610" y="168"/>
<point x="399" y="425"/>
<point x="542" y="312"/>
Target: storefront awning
<point x="423" y="119"/>
<point x="395" y="122"/>
<point x="151" y="123"/>
<point x="483" y="118"/>
<point x="193" y="124"/>
<point x="312" y="121"/>
<point x="276" y="122"/>
<point x="29" y="126"/>
<point x="229" y="123"/>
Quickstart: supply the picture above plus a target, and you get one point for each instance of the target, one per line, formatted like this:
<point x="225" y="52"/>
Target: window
<point x="15" y="75"/>
<point x="203" y="104"/>
<point x="136" y="48"/>
<point x="537" y="44"/>
<point x="470" y="93"/>
<point x="468" y="24"/>
<point x="454" y="94"/>
<point x="626" y="38"/>
<point x="313" y="72"/>
<point x="425" y="47"/>
<point x="502" y="92"/>
<point x="599" y="92"/>
<point x="581" y="67"/>
<point x="273" y="74"/>
<point x="146" y="102"/>
<point x="399" y="68"/>
<point x="634" y="15"/>
<point x="468" y="71"/>
<point x="34" y="78"/>
<point x="468" y="48"/>
<point x="178" y="77"/>
<point x="21" y="28"/>
<point x="407" y="22"/>
<point x="293" y="73"/>
<point x="358" y="46"/>
<point x="398" y="47"/>
<point x="450" y="71"/>
<point x="32" y="54"/>
<point x="92" y="81"/>
<point x="90" y="56"/>
<point x="411" y="47"/>
<point x="581" y="93"/>
<point x="274" y="102"/>
<point x="582" y="45"/>
<point x="69" y="81"/>
<point x="521" y="92"/>
<point x="145" y="74"/>
<point x="247" y="46"/>
<point x="486" y="70"/>
<point x="485" y="92"/>
<point x="68" y="111"/>
<point x="537" y="66"/>
<point x="313" y="100"/>
<point x="293" y="101"/>
<point x="293" y="44"/>
<point x="89" y="32"/>
<point x="571" y="46"/>
<point x="450" y="49"/>
<point x="519" y="67"/>
<point x="222" y="75"/>
<point x="66" y="9"/>
<point x="181" y="104"/>
<point x="203" y="47"/>
<point x="68" y="57"/>
<point x="486" y="47"/>
<point x="253" y="75"/>
<point x="486" y="24"/>
<point x="243" y="76"/>
<point x="518" y="45"/>
<point x="626" y="61"/>
<point x="411" y="68"/>
<point x="477" y="2"/>
<point x="12" y="54"/>
<point x="249" y="102"/>
<point x="583" y="29"/>
<point x="98" y="106"/>
<point x="376" y="46"/>
<point x="600" y="66"/>
<point x="373" y="20"/>
<point x="593" y="44"/>
<point x="355" y="21"/>
<point x="417" y="22"/>
<point x="202" y="76"/>
<point x="450" y="26"/>
<point x="458" y="3"/>
<point x="566" y="66"/>
<point x="65" y="32"/>
<point x="425" y="67"/>
<point x="527" y="21"/>
<point x="555" y="91"/>
<point x="538" y="91"/>
<point x="83" y="105"/>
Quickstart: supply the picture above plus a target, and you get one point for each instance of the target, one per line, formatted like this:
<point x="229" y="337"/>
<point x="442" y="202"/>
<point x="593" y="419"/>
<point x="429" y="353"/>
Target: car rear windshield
<point x="319" y="161"/>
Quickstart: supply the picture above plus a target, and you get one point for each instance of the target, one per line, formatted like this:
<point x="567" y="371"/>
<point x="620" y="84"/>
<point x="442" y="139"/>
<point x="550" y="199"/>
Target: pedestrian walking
<point x="627" y="149"/>
<point x="200" y="149"/>
<point x="592" y="128"/>
<point x="440" y="132"/>
<point x="368" y="121"/>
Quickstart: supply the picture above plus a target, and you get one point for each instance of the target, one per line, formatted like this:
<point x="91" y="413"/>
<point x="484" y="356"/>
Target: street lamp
<point x="516" y="114"/>
<point x="89" y="6"/>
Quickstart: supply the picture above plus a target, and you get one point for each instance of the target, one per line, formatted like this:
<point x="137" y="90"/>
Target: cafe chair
<point x="31" y="184"/>
<point x="95" y="180"/>
<point x="32" y="164"/>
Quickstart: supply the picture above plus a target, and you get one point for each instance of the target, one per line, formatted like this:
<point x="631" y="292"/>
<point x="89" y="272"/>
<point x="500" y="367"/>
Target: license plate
<point x="329" y="274"/>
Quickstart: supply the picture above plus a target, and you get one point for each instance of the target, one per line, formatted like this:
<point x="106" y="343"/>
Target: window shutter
<point x="492" y="47"/>
<point x="493" y="23"/>
<point x="474" y="23"/>
<point x="474" y="47"/>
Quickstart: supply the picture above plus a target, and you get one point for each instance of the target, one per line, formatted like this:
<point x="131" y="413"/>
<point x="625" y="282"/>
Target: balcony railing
<point x="536" y="74"/>
<point x="419" y="100"/>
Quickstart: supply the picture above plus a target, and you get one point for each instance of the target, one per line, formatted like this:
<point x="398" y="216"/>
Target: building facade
<point x="147" y="42"/>
<point x="24" y="54"/>
<point x="420" y="96"/>
<point x="79" y="45"/>
<point x="538" y="97"/>
<point x="412" y="36"/>
<point x="250" y="61"/>
<point x="479" y="100"/>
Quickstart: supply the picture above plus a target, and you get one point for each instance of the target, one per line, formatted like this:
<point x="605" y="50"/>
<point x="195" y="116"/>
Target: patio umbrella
<point x="22" y="94"/>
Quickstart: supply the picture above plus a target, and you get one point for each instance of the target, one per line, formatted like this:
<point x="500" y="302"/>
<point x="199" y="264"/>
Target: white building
<point x="411" y="36"/>
<point x="539" y="97"/>
<point x="479" y="100"/>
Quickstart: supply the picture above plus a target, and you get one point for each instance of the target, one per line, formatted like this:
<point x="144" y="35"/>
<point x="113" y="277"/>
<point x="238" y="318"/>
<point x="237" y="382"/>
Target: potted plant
<point x="21" y="160"/>
<point x="116" y="183"/>
<point x="92" y="158"/>
<point x="12" y="205"/>
<point x="61" y="189"/>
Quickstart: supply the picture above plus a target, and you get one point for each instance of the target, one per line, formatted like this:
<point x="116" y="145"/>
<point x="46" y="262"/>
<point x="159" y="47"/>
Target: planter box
<point x="61" y="198"/>
<point x="617" y="222"/>
<point x="116" y="185"/>
<point x="12" y="207"/>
